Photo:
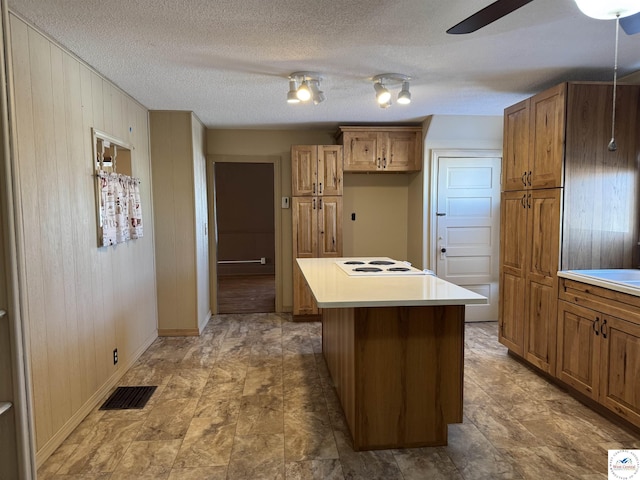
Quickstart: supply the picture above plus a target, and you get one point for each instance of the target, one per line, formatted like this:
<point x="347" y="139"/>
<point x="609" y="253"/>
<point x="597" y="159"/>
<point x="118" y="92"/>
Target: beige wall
<point x="180" y="209"/>
<point x="380" y="202"/>
<point x="79" y="301"/>
<point x="271" y="143"/>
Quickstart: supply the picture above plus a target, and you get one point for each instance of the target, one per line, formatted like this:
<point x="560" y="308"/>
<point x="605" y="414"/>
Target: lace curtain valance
<point x="120" y="210"/>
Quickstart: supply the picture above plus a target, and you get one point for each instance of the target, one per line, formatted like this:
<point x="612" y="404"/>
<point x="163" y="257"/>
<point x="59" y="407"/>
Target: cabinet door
<point x="513" y="246"/>
<point x="541" y="286"/>
<point x="360" y="151"/>
<point x="330" y="170"/>
<point x="547" y="143"/>
<point x="578" y="358"/>
<point x="330" y="226"/>
<point x="404" y="152"/>
<point x="304" y="212"/>
<point x="515" y="160"/>
<point x="303" y="301"/>
<point x="620" y="368"/>
<point x="304" y="170"/>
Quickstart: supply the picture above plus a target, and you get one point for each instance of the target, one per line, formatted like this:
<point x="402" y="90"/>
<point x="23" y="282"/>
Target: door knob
<point x="443" y="250"/>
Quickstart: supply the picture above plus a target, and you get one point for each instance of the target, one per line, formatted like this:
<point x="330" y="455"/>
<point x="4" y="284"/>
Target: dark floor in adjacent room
<point x="251" y="399"/>
<point x="246" y="293"/>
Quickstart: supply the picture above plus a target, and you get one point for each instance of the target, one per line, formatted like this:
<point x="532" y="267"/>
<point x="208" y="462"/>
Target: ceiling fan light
<point x="404" y="97"/>
<point x="303" y="93"/>
<point x="608" y="9"/>
<point x="382" y="94"/>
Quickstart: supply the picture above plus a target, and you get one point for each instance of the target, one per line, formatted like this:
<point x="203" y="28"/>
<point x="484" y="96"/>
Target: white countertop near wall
<point x="621" y="280"/>
<point x="333" y="288"/>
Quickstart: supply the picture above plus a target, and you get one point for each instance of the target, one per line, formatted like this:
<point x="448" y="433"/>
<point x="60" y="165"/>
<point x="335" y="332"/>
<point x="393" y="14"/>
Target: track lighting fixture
<point x="383" y="96"/>
<point x="309" y="88"/>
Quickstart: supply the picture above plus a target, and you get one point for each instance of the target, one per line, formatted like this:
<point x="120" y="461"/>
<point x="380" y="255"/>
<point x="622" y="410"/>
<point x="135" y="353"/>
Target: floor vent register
<point x="125" y="398"/>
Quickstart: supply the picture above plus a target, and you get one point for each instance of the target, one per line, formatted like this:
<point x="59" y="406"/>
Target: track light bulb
<point x="303" y="92"/>
<point x="404" y="97"/>
<point x="382" y="94"/>
<point x="292" y="96"/>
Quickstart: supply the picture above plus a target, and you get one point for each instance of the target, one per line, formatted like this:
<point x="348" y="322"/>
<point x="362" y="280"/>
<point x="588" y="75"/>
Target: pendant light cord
<point x="612" y="144"/>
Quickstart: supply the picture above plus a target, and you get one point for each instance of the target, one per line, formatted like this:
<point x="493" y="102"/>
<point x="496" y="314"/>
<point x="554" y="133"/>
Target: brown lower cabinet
<point x="599" y="346"/>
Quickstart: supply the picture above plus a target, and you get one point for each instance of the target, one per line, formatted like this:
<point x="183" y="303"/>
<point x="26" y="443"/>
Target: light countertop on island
<point x="333" y="288"/>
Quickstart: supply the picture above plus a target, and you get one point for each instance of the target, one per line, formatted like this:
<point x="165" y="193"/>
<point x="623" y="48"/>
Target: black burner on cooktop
<point x="354" y="262"/>
<point x="398" y="269"/>
<point x="367" y="269"/>
<point x="381" y="262"/>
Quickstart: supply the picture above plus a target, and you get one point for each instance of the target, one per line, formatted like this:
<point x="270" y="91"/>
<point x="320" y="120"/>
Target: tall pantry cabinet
<point x="567" y="203"/>
<point x="316" y="175"/>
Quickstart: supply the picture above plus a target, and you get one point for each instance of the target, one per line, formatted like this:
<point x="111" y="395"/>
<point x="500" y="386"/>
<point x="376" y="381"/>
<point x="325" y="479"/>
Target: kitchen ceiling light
<point x="404" y="97"/>
<point x="304" y="93"/>
<point x="383" y="96"/>
<point x="316" y="94"/>
<point x="292" y="96"/>
<point x="608" y="10"/>
<point x="309" y="88"/>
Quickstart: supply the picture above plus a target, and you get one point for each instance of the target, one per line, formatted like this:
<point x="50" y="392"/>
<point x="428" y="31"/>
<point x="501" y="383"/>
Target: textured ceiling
<point x="228" y="61"/>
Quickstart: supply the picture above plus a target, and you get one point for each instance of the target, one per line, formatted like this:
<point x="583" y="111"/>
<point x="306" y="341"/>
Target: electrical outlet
<point x="115" y="356"/>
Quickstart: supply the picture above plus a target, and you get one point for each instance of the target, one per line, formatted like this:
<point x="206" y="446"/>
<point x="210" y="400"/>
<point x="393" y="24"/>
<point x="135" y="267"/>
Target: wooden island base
<point x="398" y="372"/>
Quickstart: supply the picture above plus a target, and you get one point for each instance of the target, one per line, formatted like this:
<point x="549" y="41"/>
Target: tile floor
<point x="251" y="399"/>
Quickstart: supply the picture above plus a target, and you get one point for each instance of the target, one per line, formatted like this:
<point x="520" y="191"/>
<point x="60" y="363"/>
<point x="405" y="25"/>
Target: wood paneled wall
<point x="80" y="301"/>
<point x="182" y="250"/>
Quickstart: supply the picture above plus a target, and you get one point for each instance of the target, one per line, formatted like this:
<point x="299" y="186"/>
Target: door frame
<point x="276" y="161"/>
<point x="436" y="154"/>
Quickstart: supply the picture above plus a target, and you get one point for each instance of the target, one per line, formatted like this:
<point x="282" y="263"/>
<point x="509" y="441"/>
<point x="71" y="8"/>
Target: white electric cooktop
<point x="376" y="266"/>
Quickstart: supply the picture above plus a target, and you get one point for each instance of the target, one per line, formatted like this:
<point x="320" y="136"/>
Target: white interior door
<point x="468" y="229"/>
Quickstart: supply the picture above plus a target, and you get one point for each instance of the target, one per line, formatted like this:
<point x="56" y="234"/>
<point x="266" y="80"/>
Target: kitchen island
<point x="394" y="346"/>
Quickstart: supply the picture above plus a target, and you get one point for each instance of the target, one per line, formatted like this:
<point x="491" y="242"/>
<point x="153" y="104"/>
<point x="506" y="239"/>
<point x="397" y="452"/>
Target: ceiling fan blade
<point x="631" y="24"/>
<point x="487" y="15"/>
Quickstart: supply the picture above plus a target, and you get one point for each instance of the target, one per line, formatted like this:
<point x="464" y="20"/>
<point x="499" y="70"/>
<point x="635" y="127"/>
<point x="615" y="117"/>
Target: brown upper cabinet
<point x="381" y="149"/>
<point x="534" y="132"/>
<point x="316" y="170"/>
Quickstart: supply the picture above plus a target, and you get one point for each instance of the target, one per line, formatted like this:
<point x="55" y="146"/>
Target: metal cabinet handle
<point x="595" y="325"/>
<point x="603" y="328"/>
<point x="314" y="188"/>
<point x="320" y="189"/>
<point x="314" y="203"/>
<point x="384" y="162"/>
<point x="529" y="201"/>
<point x="378" y="162"/>
<point x="523" y="200"/>
<point x="529" y="178"/>
<point x="524" y="179"/>
<point x="319" y="204"/>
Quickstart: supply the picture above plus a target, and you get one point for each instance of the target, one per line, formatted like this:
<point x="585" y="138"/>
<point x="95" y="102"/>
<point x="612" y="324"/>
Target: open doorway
<point x="245" y="237"/>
